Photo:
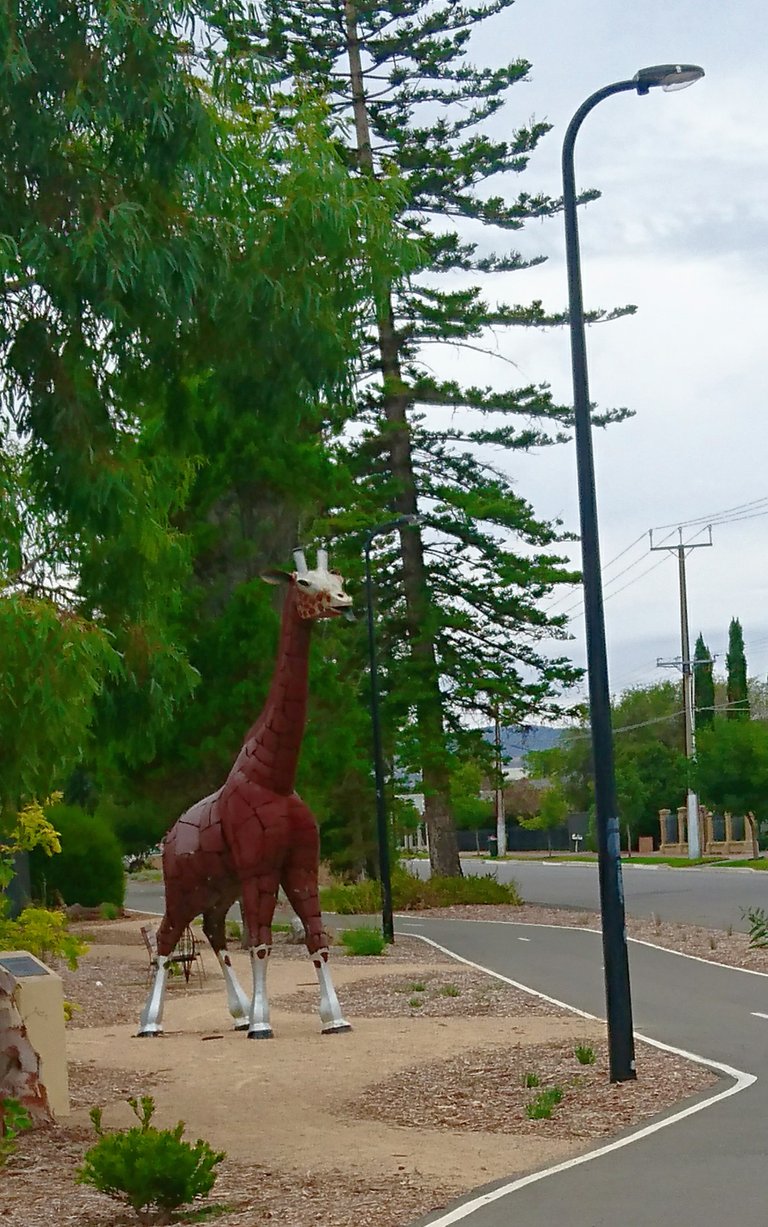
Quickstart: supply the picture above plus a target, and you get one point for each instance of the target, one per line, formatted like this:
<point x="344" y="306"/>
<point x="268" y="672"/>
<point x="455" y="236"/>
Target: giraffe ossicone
<point x="256" y="834"/>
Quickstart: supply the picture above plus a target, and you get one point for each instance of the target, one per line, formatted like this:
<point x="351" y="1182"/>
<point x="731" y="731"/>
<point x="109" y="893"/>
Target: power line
<point x="717" y="515"/>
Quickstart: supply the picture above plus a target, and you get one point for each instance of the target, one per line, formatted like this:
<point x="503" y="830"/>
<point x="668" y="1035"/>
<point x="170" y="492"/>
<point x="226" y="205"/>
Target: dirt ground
<point x="423" y="1100"/>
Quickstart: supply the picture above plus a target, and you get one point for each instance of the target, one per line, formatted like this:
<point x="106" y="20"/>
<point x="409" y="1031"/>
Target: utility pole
<point x="686" y="664"/>
<point x="501" y="820"/>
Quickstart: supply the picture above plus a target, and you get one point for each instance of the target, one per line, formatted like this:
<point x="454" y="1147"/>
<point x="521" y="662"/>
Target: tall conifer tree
<point x="466" y="636"/>
<point x="704" y="684"/>
<point x="736" y="664"/>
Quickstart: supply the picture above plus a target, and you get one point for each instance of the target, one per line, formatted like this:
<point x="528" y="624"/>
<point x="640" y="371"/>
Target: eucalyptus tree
<point x="180" y="286"/>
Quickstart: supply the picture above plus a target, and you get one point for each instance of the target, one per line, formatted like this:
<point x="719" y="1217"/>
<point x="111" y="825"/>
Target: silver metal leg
<point x="239" y="1006"/>
<point x="259" y="1028"/>
<point x="330" y="1010"/>
<point x="151" y="1022"/>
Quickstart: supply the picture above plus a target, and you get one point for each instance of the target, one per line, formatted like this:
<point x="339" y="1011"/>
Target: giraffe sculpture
<point x="255" y="834"/>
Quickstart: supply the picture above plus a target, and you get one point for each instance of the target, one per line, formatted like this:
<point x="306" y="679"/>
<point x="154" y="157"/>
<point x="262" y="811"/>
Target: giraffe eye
<point x="303" y="583"/>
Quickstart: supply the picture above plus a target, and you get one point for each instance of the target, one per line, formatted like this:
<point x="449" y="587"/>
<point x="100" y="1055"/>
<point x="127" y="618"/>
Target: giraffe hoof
<point x="336" y="1028"/>
<point x="149" y="1035"/>
<point x="261" y="1035"/>
<point x="241" y="1026"/>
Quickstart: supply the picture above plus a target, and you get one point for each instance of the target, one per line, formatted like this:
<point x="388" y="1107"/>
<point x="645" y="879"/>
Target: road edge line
<point x="742" y="1080"/>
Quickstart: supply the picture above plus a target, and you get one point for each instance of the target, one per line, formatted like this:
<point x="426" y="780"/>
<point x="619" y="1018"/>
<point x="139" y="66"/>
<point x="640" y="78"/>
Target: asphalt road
<point x="704" y="1170"/>
<point x="711" y="897"/>
<point x="715" y="898"/>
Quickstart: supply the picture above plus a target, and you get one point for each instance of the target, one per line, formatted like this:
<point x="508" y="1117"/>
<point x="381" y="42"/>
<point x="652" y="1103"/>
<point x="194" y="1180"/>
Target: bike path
<point x="703" y="1170"/>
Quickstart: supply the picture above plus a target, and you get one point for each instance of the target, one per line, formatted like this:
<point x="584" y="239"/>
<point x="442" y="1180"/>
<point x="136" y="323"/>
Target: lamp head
<point x="668" y="76"/>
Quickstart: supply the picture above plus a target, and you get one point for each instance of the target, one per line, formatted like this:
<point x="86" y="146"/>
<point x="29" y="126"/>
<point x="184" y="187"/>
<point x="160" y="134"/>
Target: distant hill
<point x="518" y="741"/>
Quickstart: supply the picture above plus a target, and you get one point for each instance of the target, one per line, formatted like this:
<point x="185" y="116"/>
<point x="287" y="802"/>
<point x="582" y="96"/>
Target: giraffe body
<point x="255" y="833"/>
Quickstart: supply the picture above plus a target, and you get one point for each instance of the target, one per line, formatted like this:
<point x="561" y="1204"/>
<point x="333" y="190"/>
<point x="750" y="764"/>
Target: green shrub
<point x="411" y="894"/>
<point x="14" y="1118"/>
<point x="42" y="933"/>
<point x="542" y="1107"/>
<point x="416" y="1003"/>
<point x="449" y="990"/>
<point x="154" y="1170"/>
<point x="417" y="987"/>
<point x="110" y="911"/>
<point x="89" y="868"/>
<point x="757" y="918"/>
<point x="531" y="1080"/>
<point x="584" y="1054"/>
<point x="363" y="941"/>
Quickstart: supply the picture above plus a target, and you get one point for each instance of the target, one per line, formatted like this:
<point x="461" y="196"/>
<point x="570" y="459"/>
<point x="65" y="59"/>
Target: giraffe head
<point x="319" y="593"/>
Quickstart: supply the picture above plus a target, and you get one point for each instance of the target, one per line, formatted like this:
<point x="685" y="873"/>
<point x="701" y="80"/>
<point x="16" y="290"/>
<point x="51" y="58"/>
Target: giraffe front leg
<point x="330" y="1010"/>
<point x="152" y="1015"/>
<point x="258" y="1025"/>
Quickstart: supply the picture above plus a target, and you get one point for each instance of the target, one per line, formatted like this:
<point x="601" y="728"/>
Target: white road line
<point x="638" y="941"/>
<point x="757" y="1014"/>
<point x="742" y="1080"/>
<point x="523" y="939"/>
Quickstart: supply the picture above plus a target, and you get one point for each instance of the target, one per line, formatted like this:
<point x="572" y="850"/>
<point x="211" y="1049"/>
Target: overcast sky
<point x="681" y="230"/>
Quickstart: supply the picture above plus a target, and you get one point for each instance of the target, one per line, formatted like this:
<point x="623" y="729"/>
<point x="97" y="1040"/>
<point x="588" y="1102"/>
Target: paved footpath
<point x="705" y="1170"/>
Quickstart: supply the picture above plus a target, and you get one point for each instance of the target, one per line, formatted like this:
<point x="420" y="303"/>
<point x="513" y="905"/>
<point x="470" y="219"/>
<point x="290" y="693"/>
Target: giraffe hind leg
<point x="214" y="927"/>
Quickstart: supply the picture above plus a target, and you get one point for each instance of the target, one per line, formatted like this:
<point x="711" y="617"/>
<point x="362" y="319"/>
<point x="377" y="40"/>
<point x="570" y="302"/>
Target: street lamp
<point x="617" y="990"/>
<point x="385" y="877"/>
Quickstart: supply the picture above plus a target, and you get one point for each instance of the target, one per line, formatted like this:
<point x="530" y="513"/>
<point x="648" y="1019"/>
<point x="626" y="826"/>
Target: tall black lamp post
<point x="617" y="989"/>
<point x="382" y="828"/>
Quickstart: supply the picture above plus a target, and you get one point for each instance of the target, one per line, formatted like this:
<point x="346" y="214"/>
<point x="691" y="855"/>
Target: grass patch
<point x="416" y="1003"/>
<point x="363" y="941"/>
<point x="417" y="987"/>
<point x="449" y="990"/>
<point x="411" y="894"/>
<point x="542" y="1107"/>
<point x="530" y="1080"/>
<point x="109" y="911"/>
<point x="584" y="1054"/>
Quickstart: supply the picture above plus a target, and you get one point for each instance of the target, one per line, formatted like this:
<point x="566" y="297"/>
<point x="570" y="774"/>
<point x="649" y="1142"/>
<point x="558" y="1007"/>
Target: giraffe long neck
<point x="271" y="749"/>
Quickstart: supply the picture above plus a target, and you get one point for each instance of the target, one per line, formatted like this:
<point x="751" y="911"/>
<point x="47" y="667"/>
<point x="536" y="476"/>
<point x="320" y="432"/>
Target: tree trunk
<point x="443" y="847"/>
<point x="753" y="833"/>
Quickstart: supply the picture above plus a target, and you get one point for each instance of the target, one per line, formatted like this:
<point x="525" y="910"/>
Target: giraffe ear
<point x="275" y="576"/>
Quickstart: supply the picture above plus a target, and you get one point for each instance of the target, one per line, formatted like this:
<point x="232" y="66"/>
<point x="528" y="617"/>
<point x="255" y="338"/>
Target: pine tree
<point x="465" y="635"/>
<point x="736" y="665"/>
<point x="704" y="685"/>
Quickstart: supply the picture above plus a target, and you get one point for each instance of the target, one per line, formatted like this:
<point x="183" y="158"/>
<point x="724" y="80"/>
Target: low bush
<point x="757" y="918"/>
<point x="363" y="941"/>
<point x="14" y="1118"/>
<point x="153" y="1170"/>
<point x="109" y="911"/>
<point x="412" y="894"/>
<point x="89" y="868"/>
<point x="44" y="934"/>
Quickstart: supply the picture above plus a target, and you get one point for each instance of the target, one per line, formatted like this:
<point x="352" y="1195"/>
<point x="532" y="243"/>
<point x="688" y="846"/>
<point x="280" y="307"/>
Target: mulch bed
<point x="484" y="1091"/>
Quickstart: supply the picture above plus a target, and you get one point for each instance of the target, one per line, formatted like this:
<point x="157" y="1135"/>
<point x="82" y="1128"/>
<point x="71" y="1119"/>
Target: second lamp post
<point x="382" y="826"/>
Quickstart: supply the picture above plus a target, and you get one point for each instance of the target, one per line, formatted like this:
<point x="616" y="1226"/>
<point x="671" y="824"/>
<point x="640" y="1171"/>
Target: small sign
<point x="20" y="965"/>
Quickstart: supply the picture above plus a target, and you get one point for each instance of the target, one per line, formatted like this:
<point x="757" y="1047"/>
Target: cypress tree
<point x="704" y="685"/>
<point x="466" y="632"/>
<point x="736" y="663"/>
